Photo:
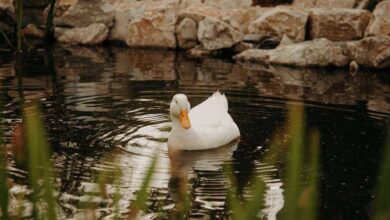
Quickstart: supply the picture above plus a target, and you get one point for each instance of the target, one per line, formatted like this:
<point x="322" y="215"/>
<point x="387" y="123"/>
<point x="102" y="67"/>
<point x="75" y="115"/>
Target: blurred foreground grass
<point x="300" y="195"/>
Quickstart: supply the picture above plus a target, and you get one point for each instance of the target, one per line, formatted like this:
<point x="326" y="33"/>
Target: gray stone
<point x="93" y="34"/>
<point x="315" y="53"/>
<point x="81" y="13"/>
<point x="380" y="23"/>
<point x="281" y="21"/>
<point x="371" y="52"/>
<point x="186" y="33"/>
<point x="153" y="24"/>
<point x="215" y="34"/>
<point x="338" y="24"/>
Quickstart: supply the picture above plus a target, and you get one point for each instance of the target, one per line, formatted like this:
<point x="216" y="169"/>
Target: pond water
<point x="107" y="108"/>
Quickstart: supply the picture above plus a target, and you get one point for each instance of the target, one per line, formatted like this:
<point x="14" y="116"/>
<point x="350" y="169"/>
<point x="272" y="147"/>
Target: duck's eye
<point x="176" y="101"/>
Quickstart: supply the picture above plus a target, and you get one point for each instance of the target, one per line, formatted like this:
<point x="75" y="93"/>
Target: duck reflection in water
<point x="182" y="164"/>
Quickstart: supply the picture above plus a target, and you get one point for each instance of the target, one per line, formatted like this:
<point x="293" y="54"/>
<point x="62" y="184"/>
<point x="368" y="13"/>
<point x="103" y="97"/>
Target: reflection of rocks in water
<point x="319" y="85"/>
<point x="95" y="54"/>
<point x="147" y="64"/>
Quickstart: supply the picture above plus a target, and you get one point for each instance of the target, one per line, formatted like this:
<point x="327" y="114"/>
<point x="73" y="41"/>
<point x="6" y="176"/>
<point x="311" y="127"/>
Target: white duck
<point x="206" y="126"/>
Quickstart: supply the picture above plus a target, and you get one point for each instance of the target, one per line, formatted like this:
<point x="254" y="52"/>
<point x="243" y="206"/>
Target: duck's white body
<point x="211" y="126"/>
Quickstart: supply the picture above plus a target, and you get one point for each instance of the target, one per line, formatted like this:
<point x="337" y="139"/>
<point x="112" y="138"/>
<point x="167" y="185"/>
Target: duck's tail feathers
<point x="220" y="98"/>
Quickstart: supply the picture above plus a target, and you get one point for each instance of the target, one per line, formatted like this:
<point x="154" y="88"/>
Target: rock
<point x="120" y="29"/>
<point x="93" y="34"/>
<point x="241" y="18"/>
<point x="229" y="4"/>
<point x="361" y="4"/>
<point x="198" y="52"/>
<point x="187" y="3"/>
<point x="304" y="3"/>
<point x="380" y="24"/>
<point x="279" y="21"/>
<point x="125" y="12"/>
<point x="186" y="33"/>
<point x="286" y="41"/>
<point x="241" y="47"/>
<point x="215" y="34"/>
<point x="153" y="25"/>
<point x="371" y="52"/>
<point x="353" y="67"/>
<point x="32" y="30"/>
<point x="198" y="12"/>
<point x="315" y="53"/>
<point x="6" y="6"/>
<point x="338" y="24"/>
<point x="7" y="16"/>
<point x="79" y="13"/>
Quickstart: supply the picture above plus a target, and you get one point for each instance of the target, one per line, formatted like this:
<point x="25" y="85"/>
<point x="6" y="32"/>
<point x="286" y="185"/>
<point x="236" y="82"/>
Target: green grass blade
<point x="39" y="164"/>
<point x="6" y="38"/>
<point x="3" y="180"/>
<point x="294" y="164"/>
<point x="49" y="29"/>
<point x="308" y="199"/>
<point x="235" y="204"/>
<point x="142" y="194"/>
<point x="19" y="23"/>
<point x="383" y="192"/>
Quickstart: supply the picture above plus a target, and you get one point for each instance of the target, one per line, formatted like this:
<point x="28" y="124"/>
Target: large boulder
<point x="79" y="13"/>
<point x="229" y="4"/>
<point x="93" y="34"/>
<point x="215" y="34"/>
<point x="331" y="3"/>
<point x="6" y="6"/>
<point x="186" y="33"/>
<point x="7" y="15"/>
<point x="279" y="21"/>
<point x="338" y="24"/>
<point x="198" y="12"/>
<point x="372" y="52"/>
<point x="315" y="53"/>
<point x="241" y="18"/>
<point x="153" y="25"/>
<point x="380" y="24"/>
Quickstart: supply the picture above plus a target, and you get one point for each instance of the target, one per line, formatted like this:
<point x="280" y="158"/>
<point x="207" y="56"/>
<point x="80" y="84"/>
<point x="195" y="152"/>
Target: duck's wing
<point x="212" y="122"/>
<point x="211" y="111"/>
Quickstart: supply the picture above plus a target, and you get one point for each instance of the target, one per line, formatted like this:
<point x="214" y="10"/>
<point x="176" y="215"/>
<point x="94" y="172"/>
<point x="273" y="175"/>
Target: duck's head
<point x="179" y="110"/>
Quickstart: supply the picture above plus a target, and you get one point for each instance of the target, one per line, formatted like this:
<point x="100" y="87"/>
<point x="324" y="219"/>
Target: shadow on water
<point x="107" y="109"/>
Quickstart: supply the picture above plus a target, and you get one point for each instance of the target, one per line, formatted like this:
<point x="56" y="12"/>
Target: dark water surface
<point x="108" y="107"/>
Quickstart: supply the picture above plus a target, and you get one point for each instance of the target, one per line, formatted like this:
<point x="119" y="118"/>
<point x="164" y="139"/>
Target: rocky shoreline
<point x="305" y="33"/>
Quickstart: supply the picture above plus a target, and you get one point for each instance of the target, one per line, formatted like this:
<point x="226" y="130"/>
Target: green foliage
<point x="383" y="192"/>
<point x="49" y="28"/>
<point x="299" y="202"/>
<point x="142" y="194"/>
<point x="3" y="181"/>
<point x="40" y="170"/>
<point x="19" y="23"/>
<point x="6" y="37"/>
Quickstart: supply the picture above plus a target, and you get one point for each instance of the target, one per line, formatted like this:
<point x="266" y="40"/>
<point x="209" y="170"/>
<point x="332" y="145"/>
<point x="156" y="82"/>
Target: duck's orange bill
<point x="184" y="120"/>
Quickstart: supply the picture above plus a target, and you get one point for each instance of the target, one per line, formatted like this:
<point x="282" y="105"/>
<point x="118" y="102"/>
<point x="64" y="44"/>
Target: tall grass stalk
<point x="40" y="170"/>
<point x="2" y="32"/>
<point x="142" y="194"/>
<point x="308" y="199"/>
<point x="242" y="208"/>
<point x="3" y="180"/>
<point x="49" y="29"/>
<point x="294" y="163"/>
<point x="382" y="204"/>
<point x="19" y="23"/>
